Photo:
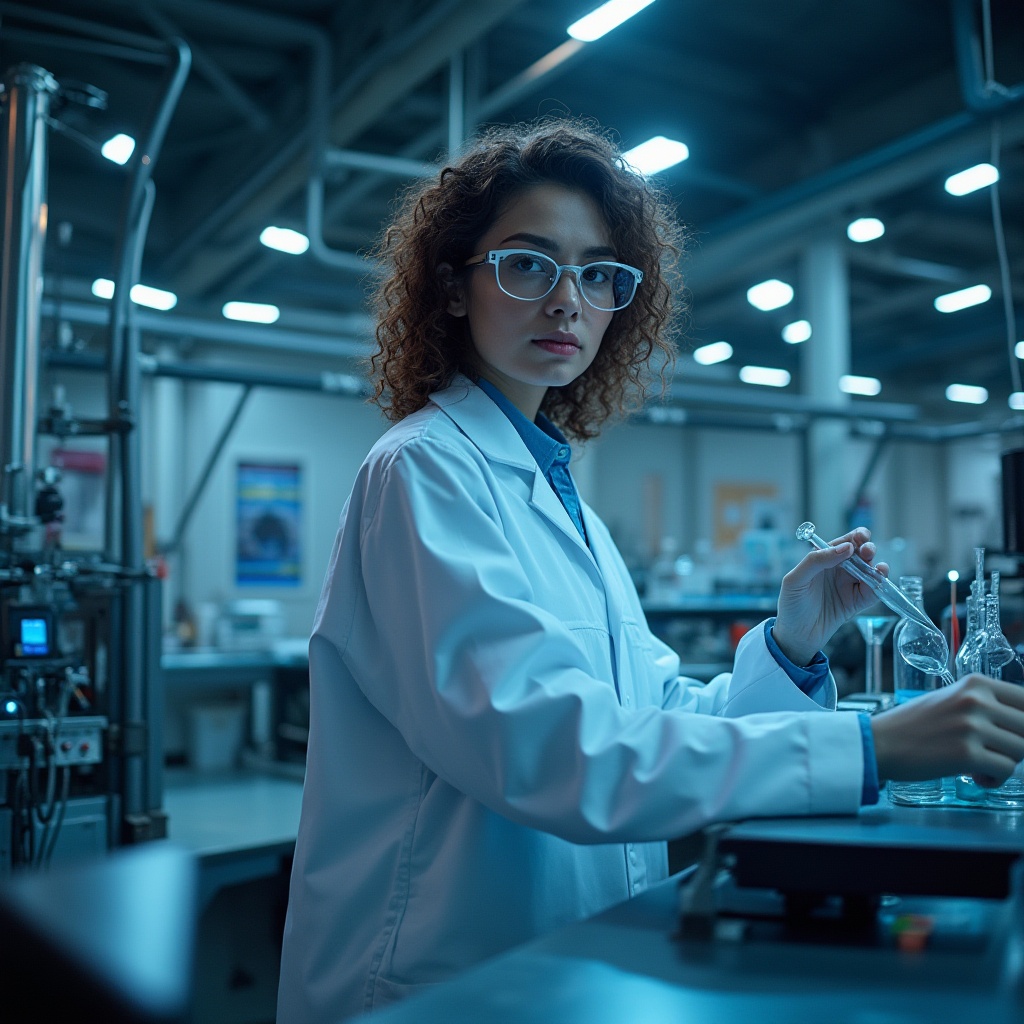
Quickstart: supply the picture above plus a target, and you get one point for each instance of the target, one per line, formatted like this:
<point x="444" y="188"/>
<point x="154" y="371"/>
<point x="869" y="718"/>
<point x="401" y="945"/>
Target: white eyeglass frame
<point x="494" y="257"/>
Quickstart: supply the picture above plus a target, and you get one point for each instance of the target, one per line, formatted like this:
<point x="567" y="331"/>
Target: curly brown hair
<point x="421" y="346"/>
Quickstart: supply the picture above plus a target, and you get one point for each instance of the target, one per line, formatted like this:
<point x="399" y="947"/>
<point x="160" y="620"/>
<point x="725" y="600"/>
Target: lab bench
<point x="757" y="959"/>
<point x="241" y="827"/>
<point x="268" y="688"/>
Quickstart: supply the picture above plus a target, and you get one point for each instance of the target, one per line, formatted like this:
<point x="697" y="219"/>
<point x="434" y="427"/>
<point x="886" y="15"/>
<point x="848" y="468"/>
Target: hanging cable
<point x="991" y="85"/>
<point x="1004" y="265"/>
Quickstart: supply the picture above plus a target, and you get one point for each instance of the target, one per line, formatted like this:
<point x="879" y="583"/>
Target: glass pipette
<point x="888" y="593"/>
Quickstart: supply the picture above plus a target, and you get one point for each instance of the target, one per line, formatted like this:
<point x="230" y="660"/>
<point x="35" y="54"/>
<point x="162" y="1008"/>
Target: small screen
<point x="35" y="640"/>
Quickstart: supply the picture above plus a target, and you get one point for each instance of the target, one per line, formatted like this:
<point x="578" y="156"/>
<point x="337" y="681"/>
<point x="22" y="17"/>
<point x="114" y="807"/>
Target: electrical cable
<point x="45" y="815"/>
<point x="991" y="85"/>
<point x="65" y="789"/>
<point x="1004" y="265"/>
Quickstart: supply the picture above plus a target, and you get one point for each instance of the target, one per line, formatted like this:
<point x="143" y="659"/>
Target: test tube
<point x="887" y="591"/>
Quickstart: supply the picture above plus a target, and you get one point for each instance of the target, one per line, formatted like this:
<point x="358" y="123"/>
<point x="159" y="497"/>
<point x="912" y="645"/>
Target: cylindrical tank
<point x="24" y="109"/>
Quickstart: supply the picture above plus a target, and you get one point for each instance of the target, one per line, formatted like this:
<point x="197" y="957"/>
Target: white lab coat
<point x="498" y="744"/>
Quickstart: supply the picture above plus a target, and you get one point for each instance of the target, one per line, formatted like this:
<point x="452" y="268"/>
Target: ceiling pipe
<point x="175" y="327"/>
<point x="765" y="229"/>
<point x="980" y="94"/>
<point x="375" y="87"/>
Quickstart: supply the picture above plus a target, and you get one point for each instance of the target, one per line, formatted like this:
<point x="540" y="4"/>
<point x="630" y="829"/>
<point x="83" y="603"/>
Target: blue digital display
<point x="35" y="640"/>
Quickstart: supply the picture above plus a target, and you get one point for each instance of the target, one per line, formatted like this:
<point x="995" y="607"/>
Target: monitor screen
<point x="35" y="637"/>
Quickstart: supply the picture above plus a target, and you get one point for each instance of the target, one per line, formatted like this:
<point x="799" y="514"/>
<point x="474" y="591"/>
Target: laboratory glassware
<point x="996" y="654"/>
<point x="967" y="654"/>
<point x="909" y="681"/>
<point x="968" y="660"/>
<point x="924" y="647"/>
<point x="874" y="629"/>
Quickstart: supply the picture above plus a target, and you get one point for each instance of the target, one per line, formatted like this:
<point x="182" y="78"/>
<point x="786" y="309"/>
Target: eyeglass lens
<point x="527" y="275"/>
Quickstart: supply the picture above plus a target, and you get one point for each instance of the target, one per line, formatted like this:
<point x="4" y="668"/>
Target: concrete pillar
<point x="825" y="357"/>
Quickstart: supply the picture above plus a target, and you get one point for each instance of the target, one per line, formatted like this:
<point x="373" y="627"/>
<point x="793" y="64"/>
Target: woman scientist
<point x="498" y="744"/>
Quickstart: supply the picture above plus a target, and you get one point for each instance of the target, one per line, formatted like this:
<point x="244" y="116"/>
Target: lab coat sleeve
<point x="757" y="683"/>
<point x="497" y="696"/>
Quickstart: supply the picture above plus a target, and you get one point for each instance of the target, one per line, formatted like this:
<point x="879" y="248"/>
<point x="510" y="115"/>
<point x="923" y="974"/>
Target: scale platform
<point x="886" y="849"/>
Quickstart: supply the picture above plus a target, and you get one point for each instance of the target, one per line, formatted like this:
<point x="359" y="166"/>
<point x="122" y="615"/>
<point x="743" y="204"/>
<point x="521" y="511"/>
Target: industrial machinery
<point x="80" y="744"/>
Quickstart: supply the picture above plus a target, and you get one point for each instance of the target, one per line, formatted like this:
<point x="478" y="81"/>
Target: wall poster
<point x="269" y="521"/>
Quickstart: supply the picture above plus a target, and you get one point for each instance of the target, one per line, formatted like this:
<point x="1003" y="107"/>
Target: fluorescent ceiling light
<point x="796" y="332"/>
<point x="770" y="294"/>
<point x="284" y="240"/>
<point x="716" y="352"/>
<point x="666" y="414"/>
<point x="656" y="154"/>
<point x="118" y="148"/>
<point x="972" y="179"/>
<point x="968" y="393"/>
<point x="251" y="312"/>
<point x="604" y="18"/>
<point x="141" y="294"/>
<point x="154" y="298"/>
<point x="865" y="229"/>
<point x="1017" y="400"/>
<point x="854" y="385"/>
<point x="1018" y="350"/>
<point x="766" y="375"/>
<point x="973" y="296"/>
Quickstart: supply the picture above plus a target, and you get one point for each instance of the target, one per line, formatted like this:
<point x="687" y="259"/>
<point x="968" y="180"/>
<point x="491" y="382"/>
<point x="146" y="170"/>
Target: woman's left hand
<point x="817" y="596"/>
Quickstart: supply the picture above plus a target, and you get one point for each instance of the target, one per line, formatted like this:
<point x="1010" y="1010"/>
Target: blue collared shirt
<point x="548" y="446"/>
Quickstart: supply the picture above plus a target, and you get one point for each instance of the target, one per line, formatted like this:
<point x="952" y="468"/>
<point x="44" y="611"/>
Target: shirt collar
<point x="545" y="442"/>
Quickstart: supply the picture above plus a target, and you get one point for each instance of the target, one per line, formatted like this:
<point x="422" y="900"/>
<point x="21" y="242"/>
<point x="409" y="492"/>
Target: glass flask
<point x="996" y="654"/>
<point x="968" y="660"/>
<point x="967" y="654"/>
<point x="909" y="681"/>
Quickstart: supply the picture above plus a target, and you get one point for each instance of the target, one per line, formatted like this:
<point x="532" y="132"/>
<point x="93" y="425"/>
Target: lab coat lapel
<point x="603" y="555"/>
<point x="490" y="430"/>
<point x="547" y="503"/>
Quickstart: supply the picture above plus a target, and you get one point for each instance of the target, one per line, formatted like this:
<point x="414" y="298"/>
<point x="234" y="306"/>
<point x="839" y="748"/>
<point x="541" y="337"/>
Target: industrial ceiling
<point x="312" y="114"/>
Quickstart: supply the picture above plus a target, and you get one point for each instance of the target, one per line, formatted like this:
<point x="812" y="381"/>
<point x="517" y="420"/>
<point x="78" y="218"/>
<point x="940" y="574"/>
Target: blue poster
<point x="269" y="516"/>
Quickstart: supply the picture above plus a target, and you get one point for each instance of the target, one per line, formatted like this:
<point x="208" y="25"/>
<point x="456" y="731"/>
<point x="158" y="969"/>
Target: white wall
<point x="327" y="435"/>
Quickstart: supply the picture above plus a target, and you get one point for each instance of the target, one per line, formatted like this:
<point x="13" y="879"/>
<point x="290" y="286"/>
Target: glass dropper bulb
<point x="887" y="591"/>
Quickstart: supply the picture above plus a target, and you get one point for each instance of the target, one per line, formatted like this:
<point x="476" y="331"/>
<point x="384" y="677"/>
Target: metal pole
<point x="26" y="106"/>
<point x="207" y="472"/>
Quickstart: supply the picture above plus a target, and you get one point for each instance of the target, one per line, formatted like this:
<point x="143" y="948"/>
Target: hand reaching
<point x="975" y="727"/>
<point x="817" y="596"/>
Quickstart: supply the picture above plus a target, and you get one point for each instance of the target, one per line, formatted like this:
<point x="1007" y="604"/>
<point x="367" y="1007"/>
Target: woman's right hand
<point x="974" y="727"/>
